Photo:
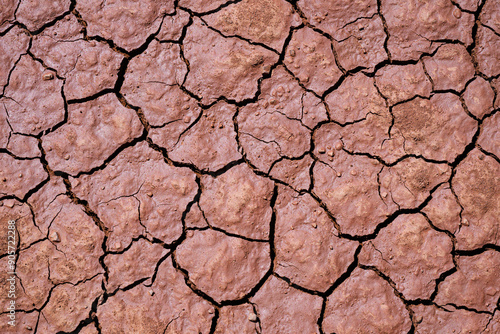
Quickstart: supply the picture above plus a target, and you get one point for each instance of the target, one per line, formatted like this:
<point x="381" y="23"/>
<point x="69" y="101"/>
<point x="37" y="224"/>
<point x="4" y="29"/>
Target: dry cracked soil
<point x="250" y="166"/>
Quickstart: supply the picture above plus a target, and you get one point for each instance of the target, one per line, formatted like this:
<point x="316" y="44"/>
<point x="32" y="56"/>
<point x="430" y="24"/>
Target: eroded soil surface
<point x="251" y="166"/>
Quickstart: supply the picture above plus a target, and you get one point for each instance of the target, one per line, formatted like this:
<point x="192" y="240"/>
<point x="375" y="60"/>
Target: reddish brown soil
<point x="250" y="166"/>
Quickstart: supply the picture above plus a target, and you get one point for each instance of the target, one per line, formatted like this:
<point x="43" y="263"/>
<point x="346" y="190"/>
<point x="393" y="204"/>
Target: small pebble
<point x="465" y="222"/>
<point x="187" y="119"/>
<point x="4" y="179"/>
<point x="185" y="107"/>
<point x="339" y="146"/>
<point x="339" y="174"/>
<point x="29" y="328"/>
<point x="151" y="292"/>
<point x="252" y="317"/>
<point x="150" y="194"/>
<point x="265" y="104"/>
<point x="384" y="194"/>
<point x="354" y="173"/>
<point x="20" y="175"/>
<point x="186" y="98"/>
<point x="304" y="78"/>
<point x="54" y="237"/>
<point x="48" y="76"/>
<point x="331" y="153"/>
<point x="66" y="157"/>
<point x="291" y="53"/>
<point x="321" y="150"/>
<point x="189" y="233"/>
<point x="221" y="126"/>
<point x="457" y="13"/>
<point x="314" y="225"/>
<point x="117" y="245"/>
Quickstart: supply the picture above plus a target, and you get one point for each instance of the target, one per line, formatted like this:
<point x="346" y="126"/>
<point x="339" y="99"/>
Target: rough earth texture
<point x="250" y="166"/>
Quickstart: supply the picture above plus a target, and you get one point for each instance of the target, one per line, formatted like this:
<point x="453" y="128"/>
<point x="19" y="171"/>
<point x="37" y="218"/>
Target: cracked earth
<point x="251" y="166"/>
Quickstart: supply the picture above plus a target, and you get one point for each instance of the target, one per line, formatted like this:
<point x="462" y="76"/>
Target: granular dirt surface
<point x="250" y="166"/>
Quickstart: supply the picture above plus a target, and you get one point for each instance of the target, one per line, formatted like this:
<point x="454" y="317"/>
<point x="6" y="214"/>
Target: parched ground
<point x="250" y="166"/>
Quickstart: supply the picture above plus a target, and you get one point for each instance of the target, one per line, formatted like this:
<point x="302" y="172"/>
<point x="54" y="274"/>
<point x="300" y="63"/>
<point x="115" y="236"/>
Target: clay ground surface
<point x="250" y="166"/>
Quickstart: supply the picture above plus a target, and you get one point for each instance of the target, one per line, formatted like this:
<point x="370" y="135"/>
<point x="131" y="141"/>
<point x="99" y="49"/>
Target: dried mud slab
<point x="437" y="129"/>
<point x="12" y="45"/>
<point x="365" y="118"/>
<point x="237" y="319"/>
<point x="476" y="183"/>
<point x="25" y="323"/>
<point x="150" y="74"/>
<point x="27" y="232"/>
<point x="283" y="309"/>
<point x="7" y="15"/>
<point x="479" y="97"/>
<point x="35" y="15"/>
<point x="202" y="6"/>
<point x="364" y="302"/>
<point x="93" y="131"/>
<point x="168" y="306"/>
<point x="265" y="22"/>
<point x="136" y="192"/>
<point x="443" y="210"/>
<point x="127" y="23"/>
<point x="14" y="178"/>
<point x="486" y="53"/>
<point x="136" y="263"/>
<point x="450" y="68"/>
<point x="310" y="57"/>
<point x="87" y="66"/>
<point x="293" y="172"/>
<point x="417" y="27"/>
<point x="450" y="320"/>
<point x="69" y="305"/>
<point x="23" y="146"/>
<point x="77" y="244"/>
<point x="279" y="125"/>
<point x="228" y="269"/>
<point x="33" y="271"/>
<point x="357" y="31"/>
<point x="490" y="15"/>
<point x="308" y="250"/>
<point x="32" y="103"/>
<point x="195" y="218"/>
<point x="238" y="202"/>
<point x="489" y="139"/>
<point x="348" y="186"/>
<point x="475" y="284"/>
<point x="210" y="143"/>
<point x="411" y="181"/>
<point x="220" y="66"/>
<point x="172" y="26"/>
<point x="399" y="83"/>
<point x="411" y="253"/>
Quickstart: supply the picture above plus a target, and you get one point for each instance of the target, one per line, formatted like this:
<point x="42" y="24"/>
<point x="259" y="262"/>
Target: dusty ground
<point x="251" y="166"/>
